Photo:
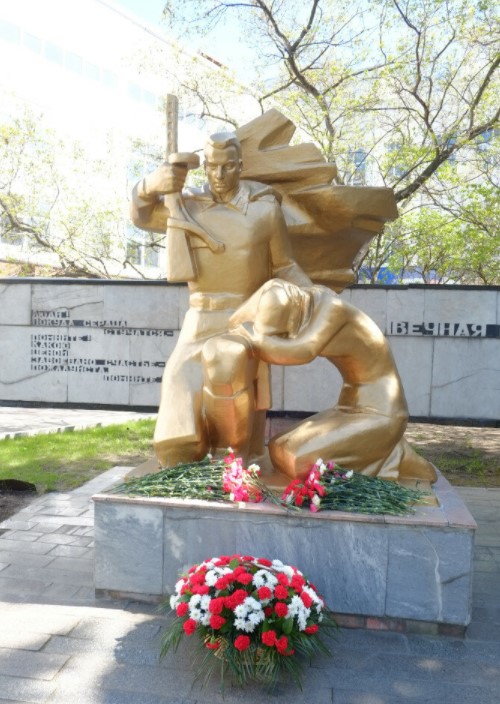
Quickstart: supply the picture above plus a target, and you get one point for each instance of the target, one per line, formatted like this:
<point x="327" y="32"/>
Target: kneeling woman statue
<point x="364" y="430"/>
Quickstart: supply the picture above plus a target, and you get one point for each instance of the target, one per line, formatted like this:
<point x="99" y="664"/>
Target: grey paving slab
<point x="72" y="551"/>
<point x="60" y="539"/>
<point x="115" y="696"/>
<point x="17" y="524"/>
<point x="36" y="665"/>
<point x="17" y="421"/>
<point x="21" y="587"/>
<point x="10" y="556"/>
<point x="402" y="692"/>
<point x="22" y="573"/>
<point x="47" y="620"/>
<point x="28" y="536"/>
<point x="22" y="640"/>
<point x="21" y="546"/>
<point x="20" y="689"/>
<point x="83" y="541"/>
<point x="105" y="631"/>
<point x="47" y="520"/>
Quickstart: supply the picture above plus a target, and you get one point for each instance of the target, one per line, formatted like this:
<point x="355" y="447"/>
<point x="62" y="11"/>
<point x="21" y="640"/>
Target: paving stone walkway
<point x="58" y="644"/>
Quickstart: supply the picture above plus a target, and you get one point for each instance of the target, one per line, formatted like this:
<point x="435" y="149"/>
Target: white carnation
<point x="174" y="600"/>
<point x="264" y="578"/>
<point x="252" y="604"/>
<point x="241" y="611"/>
<point x="243" y="625"/>
<point x="256" y="617"/>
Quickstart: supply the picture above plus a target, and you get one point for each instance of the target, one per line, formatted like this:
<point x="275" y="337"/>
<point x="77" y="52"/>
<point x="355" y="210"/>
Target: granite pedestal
<point x="378" y="571"/>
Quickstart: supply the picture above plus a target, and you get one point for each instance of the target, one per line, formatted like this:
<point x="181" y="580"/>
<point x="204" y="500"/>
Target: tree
<point x="60" y="202"/>
<point x="399" y="92"/>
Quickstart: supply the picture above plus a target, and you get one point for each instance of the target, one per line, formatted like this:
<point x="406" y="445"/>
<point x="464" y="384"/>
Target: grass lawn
<point x="64" y="461"/>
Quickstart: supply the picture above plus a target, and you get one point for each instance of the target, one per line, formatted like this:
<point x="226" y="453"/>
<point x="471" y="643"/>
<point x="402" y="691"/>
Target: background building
<point x="93" y="79"/>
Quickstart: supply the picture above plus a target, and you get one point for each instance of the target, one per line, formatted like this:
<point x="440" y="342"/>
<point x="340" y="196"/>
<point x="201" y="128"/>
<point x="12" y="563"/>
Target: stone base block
<point x="384" y="569"/>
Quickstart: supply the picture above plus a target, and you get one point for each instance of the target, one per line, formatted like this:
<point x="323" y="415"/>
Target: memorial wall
<point x="105" y="342"/>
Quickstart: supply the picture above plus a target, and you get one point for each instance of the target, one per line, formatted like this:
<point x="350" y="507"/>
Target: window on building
<point x="395" y="170"/>
<point x="92" y="71"/>
<point x="73" y="62"/>
<point x="32" y="42"/>
<point x="53" y="52"/>
<point x="10" y="32"/>
<point x="358" y="160"/>
<point x="149" y="98"/>
<point x="109" y="78"/>
<point x="134" y="91"/>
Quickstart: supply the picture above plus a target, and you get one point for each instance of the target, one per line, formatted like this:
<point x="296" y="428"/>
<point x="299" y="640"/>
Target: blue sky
<point x="149" y="10"/>
<point x="223" y="43"/>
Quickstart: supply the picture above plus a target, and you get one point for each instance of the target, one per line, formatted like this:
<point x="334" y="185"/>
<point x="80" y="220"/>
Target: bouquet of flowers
<point x="212" y="479"/>
<point x="253" y="614"/>
<point x="241" y="484"/>
<point x="328" y="486"/>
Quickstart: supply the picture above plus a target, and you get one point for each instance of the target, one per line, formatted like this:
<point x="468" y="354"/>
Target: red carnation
<point x="197" y="578"/>
<point x="217" y="621"/>
<point x="189" y="626"/>
<point x="244" y="578"/>
<point x="216" y="605"/>
<point x="264" y="561"/>
<point x="212" y="645"/>
<point x="281" y="609"/>
<point x="283" y="579"/>
<point x="182" y="608"/>
<point x="264" y="593"/>
<point x="268" y="611"/>
<point x="242" y="642"/>
<point x="237" y="598"/>
<point x="311" y="629"/>
<point x="223" y="560"/>
<point x="247" y="558"/>
<point x="282" y="645"/>
<point x="297" y="582"/>
<point x="280" y="592"/>
<point x="200" y="589"/>
<point x="306" y="600"/>
<point x="222" y="582"/>
<point x="269" y="638"/>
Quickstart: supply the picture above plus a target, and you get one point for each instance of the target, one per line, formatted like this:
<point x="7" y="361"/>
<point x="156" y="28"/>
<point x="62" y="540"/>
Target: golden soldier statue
<point x="265" y="207"/>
